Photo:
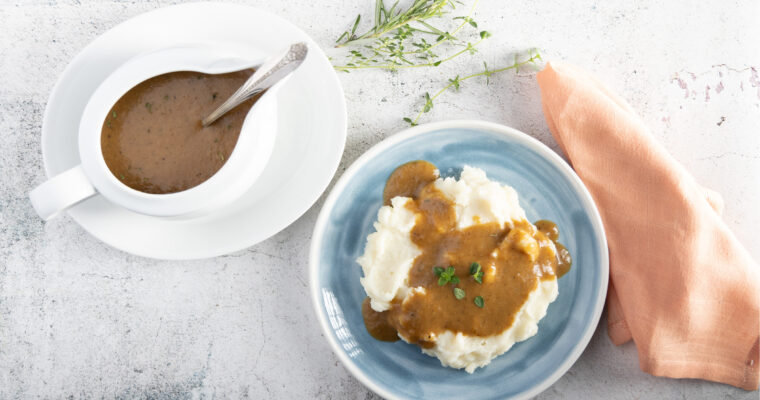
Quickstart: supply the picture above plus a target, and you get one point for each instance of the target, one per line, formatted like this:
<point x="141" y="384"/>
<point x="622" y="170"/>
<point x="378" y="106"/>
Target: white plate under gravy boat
<point x="310" y="138"/>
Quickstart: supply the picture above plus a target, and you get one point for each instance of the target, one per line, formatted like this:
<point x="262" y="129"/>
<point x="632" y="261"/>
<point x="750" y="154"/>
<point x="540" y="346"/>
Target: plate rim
<point x="78" y="59"/>
<point x="418" y="130"/>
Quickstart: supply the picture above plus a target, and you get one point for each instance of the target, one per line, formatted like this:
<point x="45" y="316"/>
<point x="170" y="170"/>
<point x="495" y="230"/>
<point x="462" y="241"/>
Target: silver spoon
<point x="272" y="71"/>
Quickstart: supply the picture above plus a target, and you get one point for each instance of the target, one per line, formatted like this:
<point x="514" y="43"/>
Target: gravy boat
<point x="92" y="177"/>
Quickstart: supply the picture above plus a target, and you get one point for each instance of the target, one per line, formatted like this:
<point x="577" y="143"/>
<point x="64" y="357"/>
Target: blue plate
<point x="548" y="189"/>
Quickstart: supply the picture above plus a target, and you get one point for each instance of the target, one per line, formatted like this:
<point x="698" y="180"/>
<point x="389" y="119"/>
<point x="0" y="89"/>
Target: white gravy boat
<point x="92" y="177"/>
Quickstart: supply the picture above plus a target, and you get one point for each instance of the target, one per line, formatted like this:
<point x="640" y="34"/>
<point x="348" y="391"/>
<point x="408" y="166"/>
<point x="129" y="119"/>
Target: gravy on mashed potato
<point x="513" y="259"/>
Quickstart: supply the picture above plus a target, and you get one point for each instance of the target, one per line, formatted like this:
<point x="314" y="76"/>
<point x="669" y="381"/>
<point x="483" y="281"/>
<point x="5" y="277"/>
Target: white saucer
<point x="311" y="133"/>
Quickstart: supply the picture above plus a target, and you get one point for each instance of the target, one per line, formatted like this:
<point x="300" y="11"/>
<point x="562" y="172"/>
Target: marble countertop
<point x="81" y="320"/>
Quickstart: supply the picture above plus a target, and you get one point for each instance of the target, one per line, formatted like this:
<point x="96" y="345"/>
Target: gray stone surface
<point x="81" y="320"/>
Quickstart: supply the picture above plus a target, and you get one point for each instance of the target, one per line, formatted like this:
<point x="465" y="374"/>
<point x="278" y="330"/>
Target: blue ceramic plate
<point x="548" y="189"/>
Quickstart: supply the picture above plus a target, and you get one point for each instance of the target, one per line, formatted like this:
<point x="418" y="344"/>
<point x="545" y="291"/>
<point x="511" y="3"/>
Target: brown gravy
<point x="377" y="323"/>
<point x="408" y="180"/>
<point x="153" y="141"/>
<point x="523" y="256"/>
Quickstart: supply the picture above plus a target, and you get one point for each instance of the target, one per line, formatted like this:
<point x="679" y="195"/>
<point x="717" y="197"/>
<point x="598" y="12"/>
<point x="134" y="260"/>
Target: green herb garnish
<point x="113" y="114"/>
<point x="221" y="156"/>
<point x="458" y="293"/>
<point x="166" y="97"/>
<point x="445" y="276"/>
<point x="213" y="96"/>
<point x="415" y="37"/>
<point x="408" y="37"/>
<point x="455" y="83"/>
<point x="479" y="301"/>
<point x="476" y="272"/>
<point x="149" y="107"/>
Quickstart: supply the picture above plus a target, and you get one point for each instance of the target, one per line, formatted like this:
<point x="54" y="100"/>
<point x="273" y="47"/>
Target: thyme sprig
<point x="456" y="82"/>
<point x="405" y="38"/>
<point x="445" y="276"/>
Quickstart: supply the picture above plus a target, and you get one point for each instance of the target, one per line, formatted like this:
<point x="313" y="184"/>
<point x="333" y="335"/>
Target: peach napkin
<point x="681" y="285"/>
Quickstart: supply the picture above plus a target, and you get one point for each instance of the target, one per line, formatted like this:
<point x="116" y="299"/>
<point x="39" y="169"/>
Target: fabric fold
<point x="682" y="287"/>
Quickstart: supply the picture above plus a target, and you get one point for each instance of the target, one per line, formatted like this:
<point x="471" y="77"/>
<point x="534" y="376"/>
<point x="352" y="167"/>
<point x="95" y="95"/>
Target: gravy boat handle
<point x="60" y="192"/>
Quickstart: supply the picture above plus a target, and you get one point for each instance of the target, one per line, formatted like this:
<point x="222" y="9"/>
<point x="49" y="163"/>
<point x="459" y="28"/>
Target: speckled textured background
<point x="81" y="320"/>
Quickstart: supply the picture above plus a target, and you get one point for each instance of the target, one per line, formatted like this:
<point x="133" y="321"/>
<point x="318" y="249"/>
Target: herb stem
<point x="420" y="31"/>
<point x="470" y="47"/>
<point x="458" y="28"/>
<point x="435" y="31"/>
<point x="383" y="45"/>
<point x="487" y="72"/>
<point x="416" y="12"/>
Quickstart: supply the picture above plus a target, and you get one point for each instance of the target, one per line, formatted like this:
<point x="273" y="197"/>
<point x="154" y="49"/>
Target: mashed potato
<point x="390" y="253"/>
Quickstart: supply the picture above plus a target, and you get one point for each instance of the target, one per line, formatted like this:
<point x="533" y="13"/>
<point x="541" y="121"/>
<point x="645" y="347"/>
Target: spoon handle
<point x="272" y="71"/>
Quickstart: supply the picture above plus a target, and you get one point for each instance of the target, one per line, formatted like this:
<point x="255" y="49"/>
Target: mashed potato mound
<point x="389" y="255"/>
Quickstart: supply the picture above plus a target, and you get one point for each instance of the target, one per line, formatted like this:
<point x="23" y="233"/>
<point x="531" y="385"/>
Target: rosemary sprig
<point x="457" y="81"/>
<point x="389" y="20"/>
<point x="406" y="38"/>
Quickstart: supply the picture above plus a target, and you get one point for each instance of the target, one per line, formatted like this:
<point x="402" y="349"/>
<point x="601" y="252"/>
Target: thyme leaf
<point x="476" y="272"/>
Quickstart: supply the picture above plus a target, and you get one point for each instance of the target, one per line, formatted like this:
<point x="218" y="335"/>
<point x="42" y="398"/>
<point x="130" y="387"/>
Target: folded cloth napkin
<point x="681" y="285"/>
